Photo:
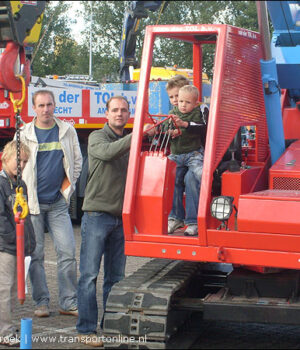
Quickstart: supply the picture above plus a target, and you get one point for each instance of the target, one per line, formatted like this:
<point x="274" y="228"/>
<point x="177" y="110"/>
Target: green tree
<point x="55" y="52"/>
<point x="108" y="21"/>
<point x="243" y="14"/>
<point x="170" y="52"/>
<point x="107" y="17"/>
<point x="58" y="54"/>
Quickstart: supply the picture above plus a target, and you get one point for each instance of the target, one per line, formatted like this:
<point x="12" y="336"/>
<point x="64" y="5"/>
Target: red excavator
<point x="244" y="264"/>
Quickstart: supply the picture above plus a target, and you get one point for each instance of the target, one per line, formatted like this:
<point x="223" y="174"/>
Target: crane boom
<point x="136" y="11"/>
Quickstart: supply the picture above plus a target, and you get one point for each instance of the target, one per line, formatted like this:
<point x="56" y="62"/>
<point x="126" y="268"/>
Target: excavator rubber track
<point x="139" y="312"/>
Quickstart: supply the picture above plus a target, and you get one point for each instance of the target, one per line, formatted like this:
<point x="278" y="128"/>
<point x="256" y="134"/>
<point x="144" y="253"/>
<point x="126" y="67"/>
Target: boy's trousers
<point x="8" y="292"/>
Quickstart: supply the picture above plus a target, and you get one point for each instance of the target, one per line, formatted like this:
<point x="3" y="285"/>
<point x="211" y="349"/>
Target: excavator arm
<point x="20" y="21"/>
<point x="136" y="11"/>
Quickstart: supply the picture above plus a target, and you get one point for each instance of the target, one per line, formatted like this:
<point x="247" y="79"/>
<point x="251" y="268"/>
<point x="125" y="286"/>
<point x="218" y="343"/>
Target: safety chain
<point x="17" y="104"/>
<point x="19" y="173"/>
<point x="20" y="201"/>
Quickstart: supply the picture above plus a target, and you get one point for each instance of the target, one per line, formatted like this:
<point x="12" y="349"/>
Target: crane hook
<point x="8" y="77"/>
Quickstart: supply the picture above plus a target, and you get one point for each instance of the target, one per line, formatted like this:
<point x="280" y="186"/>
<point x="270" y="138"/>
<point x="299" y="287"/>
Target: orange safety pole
<point x="20" y="257"/>
<point x="17" y="83"/>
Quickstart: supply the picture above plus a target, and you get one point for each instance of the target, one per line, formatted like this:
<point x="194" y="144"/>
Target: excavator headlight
<point x="221" y="207"/>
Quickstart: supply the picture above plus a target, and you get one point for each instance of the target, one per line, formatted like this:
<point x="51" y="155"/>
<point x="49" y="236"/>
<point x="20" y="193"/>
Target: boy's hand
<point x="150" y="132"/>
<point x="179" y="122"/>
<point x="174" y="133"/>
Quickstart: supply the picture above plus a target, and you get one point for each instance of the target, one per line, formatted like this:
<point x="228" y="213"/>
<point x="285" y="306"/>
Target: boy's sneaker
<point x="71" y="312"/>
<point x="174" y="224"/>
<point x="191" y="230"/>
<point x="42" y="311"/>
<point x="10" y="340"/>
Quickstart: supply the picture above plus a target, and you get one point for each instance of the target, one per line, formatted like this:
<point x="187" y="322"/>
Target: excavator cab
<point x="236" y="104"/>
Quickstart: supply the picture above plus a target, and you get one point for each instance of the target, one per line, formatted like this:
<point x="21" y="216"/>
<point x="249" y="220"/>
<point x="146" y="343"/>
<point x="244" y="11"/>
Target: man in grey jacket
<point x="102" y="227"/>
<point x="50" y="175"/>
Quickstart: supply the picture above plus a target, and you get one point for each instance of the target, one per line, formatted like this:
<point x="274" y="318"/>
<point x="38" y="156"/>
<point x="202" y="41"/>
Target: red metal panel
<point x="277" y="195"/>
<point x="179" y="239"/>
<point x="215" y="254"/>
<point x="134" y="158"/>
<point x="289" y="161"/>
<point x="197" y="68"/>
<point x="270" y="211"/>
<point x="86" y="104"/>
<point x="236" y="100"/>
<point x="285" y="173"/>
<point x="154" y="193"/>
<point x="254" y="240"/>
<point x="236" y="183"/>
<point x="291" y="123"/>
<point x="5" y="106"/>
<point x="241" y="93"/>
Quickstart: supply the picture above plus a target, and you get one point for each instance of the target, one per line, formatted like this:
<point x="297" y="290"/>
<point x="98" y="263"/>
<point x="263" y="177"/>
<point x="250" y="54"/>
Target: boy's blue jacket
<point x="7" y="218"/>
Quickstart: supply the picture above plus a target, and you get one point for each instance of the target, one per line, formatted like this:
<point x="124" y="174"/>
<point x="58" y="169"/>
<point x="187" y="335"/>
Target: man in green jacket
<point x="102" y="227"/>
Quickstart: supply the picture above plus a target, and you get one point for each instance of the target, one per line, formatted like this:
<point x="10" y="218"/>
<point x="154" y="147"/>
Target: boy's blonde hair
<point x="177" y="81"/>
<point x="190" y="89"/>
<point x="10" y="150"/>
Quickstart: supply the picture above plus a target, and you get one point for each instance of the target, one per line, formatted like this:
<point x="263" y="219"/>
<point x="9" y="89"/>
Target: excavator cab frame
<point x="236" y="101"/>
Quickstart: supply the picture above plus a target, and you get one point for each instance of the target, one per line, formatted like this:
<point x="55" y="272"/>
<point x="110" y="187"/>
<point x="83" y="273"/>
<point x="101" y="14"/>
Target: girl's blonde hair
<point x="10" y="150"/>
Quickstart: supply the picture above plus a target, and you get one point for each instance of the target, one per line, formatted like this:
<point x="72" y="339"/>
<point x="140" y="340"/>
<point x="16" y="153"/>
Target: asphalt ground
<point x="59" y="332"/>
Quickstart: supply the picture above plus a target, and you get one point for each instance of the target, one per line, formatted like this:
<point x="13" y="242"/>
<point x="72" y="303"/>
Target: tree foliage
<point x="55" y="53"/>
<point x="58" y="54"/>
<point x="107" y="29"/>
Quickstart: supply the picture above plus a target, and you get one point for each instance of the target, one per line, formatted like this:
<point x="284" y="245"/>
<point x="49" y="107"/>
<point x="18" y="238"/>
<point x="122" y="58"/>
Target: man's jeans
<point x="188" y="179"/>
<point x="57" y="220"/>
<point x="101" y="233"/>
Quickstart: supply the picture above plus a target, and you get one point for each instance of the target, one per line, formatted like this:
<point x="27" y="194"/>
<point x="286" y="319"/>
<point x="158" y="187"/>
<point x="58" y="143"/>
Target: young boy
<point x="8" y="265"/>
<point x="173" y="86"/>
<point x="187" y="151"/>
